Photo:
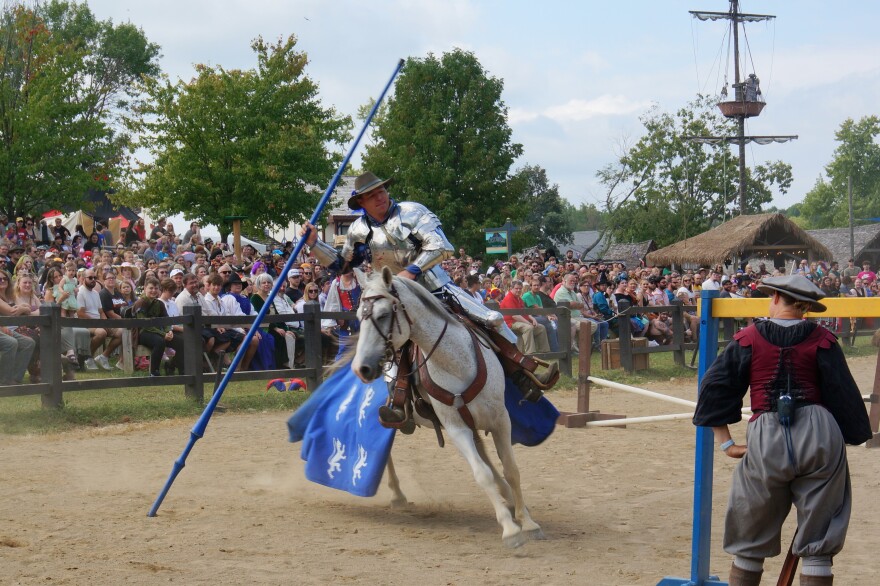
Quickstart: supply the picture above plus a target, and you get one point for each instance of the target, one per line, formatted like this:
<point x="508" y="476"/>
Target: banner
<point x="496" y="242"/>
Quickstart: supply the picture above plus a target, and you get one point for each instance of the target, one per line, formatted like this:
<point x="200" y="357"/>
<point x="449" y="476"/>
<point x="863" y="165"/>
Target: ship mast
<point x="747" y="101"/>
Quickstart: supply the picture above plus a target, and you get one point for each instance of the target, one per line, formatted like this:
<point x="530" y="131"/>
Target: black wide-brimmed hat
<point x="798" y="287"/>
<point x="233" y="279"/>
<point x="363" y="184"/>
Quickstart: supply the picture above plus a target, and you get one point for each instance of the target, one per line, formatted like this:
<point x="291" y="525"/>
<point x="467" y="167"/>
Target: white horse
<point x="395" y="310"/>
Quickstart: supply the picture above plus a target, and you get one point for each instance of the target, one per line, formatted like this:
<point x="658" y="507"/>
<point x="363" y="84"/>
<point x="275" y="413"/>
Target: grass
<point x="661" y="367"/>
<point x="24" y="415"/>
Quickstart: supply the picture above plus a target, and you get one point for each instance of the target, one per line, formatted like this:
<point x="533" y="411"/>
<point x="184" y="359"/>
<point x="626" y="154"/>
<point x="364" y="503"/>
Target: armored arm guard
<point x="426" y="229"/>
<point x="325" y="253"/>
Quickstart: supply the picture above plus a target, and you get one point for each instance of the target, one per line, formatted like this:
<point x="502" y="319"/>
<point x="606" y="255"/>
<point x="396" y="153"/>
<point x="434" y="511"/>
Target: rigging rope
<point x="772" y="59"/>
<point x="694" y="47"/>
<point x="749" y="49"/>
<point x="701" y="87"/>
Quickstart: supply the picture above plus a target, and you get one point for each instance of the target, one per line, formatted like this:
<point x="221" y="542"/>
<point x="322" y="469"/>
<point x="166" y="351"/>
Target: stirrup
<point x="545" y="381"/>
<point x="396" y="419"/>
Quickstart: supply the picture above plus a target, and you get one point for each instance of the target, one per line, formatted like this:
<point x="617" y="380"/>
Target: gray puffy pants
<point x="765" y="485"/>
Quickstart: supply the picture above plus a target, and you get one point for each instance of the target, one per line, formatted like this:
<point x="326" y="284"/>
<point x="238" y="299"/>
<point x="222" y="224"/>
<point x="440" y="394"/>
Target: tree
<point x="446" y="141"/>
<point x="543" y="217"/>
<point x="666" y="188"/>
<point x="857" y="156"/>
<point x="65" y="78"/>
<point x="587" y="217"/>
<point x="237" y="143"/>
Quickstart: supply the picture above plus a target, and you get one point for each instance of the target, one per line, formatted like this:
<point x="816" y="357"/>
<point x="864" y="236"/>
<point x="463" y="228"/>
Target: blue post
<point x="198" y="429"/>
<point x="703" y="463"/>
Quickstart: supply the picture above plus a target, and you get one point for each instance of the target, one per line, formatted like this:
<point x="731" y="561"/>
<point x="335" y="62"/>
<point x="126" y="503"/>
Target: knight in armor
<point x="806" y="408"/>
<point x="408" y="238"/>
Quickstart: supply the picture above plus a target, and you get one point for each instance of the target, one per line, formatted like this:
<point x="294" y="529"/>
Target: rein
<point x="397" y="306"/>
<point x="458" y="401"/>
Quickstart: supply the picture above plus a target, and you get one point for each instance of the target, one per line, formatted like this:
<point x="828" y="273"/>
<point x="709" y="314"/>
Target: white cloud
<point x="518" y="115"/>
<point x="606" y="105"/>
<point x="577" y="110"/>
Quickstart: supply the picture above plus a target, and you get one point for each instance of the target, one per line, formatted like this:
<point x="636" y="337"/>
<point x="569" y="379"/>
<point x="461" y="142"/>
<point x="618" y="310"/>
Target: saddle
<point x="397" y="414"/>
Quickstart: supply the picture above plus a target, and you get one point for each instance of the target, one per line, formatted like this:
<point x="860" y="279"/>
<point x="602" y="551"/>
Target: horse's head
<point x="385" y="326"/>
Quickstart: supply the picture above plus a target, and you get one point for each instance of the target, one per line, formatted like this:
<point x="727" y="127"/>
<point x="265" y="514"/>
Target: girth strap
<point x="459" y="401"/>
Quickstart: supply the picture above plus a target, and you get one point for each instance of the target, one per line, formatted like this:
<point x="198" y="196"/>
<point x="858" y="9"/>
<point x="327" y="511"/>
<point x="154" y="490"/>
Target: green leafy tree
<point x="65" y="78"/>
<point x="445" y="140"/>
<point x="857" y="156"/>
<point x="667" y="188"/>
<point x="587" y="217"/>
<point x="544" y="218"/>
<point x="237" y="143"/>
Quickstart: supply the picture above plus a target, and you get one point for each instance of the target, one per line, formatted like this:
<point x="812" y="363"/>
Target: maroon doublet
<point x="771" y="362"/>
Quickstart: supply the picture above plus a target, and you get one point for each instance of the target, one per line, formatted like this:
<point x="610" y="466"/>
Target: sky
<point x="577" y="75"/>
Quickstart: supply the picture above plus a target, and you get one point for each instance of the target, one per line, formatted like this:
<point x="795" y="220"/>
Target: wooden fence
<point x="53" y="387"/>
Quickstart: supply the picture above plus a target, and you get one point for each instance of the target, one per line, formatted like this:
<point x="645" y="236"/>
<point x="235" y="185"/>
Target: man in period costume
<point x="806" y="407"/>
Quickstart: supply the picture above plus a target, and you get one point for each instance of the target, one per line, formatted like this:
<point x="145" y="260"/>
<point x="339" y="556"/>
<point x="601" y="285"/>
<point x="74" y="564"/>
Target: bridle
<point x="397" y="307"/>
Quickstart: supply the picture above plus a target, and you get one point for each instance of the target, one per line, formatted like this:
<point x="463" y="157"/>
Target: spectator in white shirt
<point x="227" y="337"/>
<point x="90" y="307"/>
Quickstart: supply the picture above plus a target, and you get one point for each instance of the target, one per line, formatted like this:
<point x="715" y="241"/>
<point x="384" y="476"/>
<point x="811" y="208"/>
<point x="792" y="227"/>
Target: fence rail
<point x="51" y="322"/>
<point x="194" y="379"/>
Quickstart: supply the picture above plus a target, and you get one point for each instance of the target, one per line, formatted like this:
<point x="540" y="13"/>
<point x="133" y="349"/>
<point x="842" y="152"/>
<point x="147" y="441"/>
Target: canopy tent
<point x="765" y="236"/>
<point x="114" y="216"/>
<point x="87" y="221"/>
<point x="102" y="208"/>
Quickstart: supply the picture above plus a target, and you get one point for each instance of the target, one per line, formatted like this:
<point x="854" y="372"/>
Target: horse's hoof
<point x="399" y="503"/>
<point x="515" y="541"/>
<point x="535" y="534"/>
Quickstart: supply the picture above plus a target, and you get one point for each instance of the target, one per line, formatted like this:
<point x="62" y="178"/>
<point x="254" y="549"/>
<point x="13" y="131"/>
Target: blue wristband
<point x="724" y="447"/>
<point x="414" y="269"/>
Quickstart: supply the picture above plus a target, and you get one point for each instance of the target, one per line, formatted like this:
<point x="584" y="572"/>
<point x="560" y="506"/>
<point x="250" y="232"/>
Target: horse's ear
<point x="387" y="276"/>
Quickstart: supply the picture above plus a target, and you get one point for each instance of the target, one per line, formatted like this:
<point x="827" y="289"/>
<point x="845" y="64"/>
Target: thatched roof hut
<point x="865" y="238"/>
<point x="771" y="236"/>
<point x="629" y="254"/>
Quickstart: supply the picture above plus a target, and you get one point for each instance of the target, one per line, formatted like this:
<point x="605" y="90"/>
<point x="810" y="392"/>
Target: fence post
<point x="678" y="332"/>
<point x="728" y="328"/>
<point x="563" y="334"/>
<point x="193" y="348"/>
<point x="50" y="356"/>
<point x="585" y="355"/>
<point x="624" y="336"/>
<point x="314" y="344"/>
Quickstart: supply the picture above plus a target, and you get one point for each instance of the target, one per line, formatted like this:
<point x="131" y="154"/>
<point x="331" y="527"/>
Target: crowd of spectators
<point x="155" y="272"/>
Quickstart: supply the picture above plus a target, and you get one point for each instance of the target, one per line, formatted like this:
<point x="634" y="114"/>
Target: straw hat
<point x="135" y="272"/>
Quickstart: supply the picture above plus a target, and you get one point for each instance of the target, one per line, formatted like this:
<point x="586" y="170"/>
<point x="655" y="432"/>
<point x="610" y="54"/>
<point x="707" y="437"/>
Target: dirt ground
<point x="615" y="505"/>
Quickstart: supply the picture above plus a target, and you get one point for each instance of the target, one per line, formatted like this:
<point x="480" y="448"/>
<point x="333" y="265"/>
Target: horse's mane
<point x="427" y="298"/>
<point x="419" y="291"/>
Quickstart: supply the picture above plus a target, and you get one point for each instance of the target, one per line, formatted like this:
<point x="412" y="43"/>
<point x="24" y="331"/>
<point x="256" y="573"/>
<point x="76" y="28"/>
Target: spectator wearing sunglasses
<point x="90" y="307"/>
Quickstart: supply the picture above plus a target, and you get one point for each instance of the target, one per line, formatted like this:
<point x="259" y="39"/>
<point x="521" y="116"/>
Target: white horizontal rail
<point x="646" y="393"/>
<point x="632" y="420"/>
